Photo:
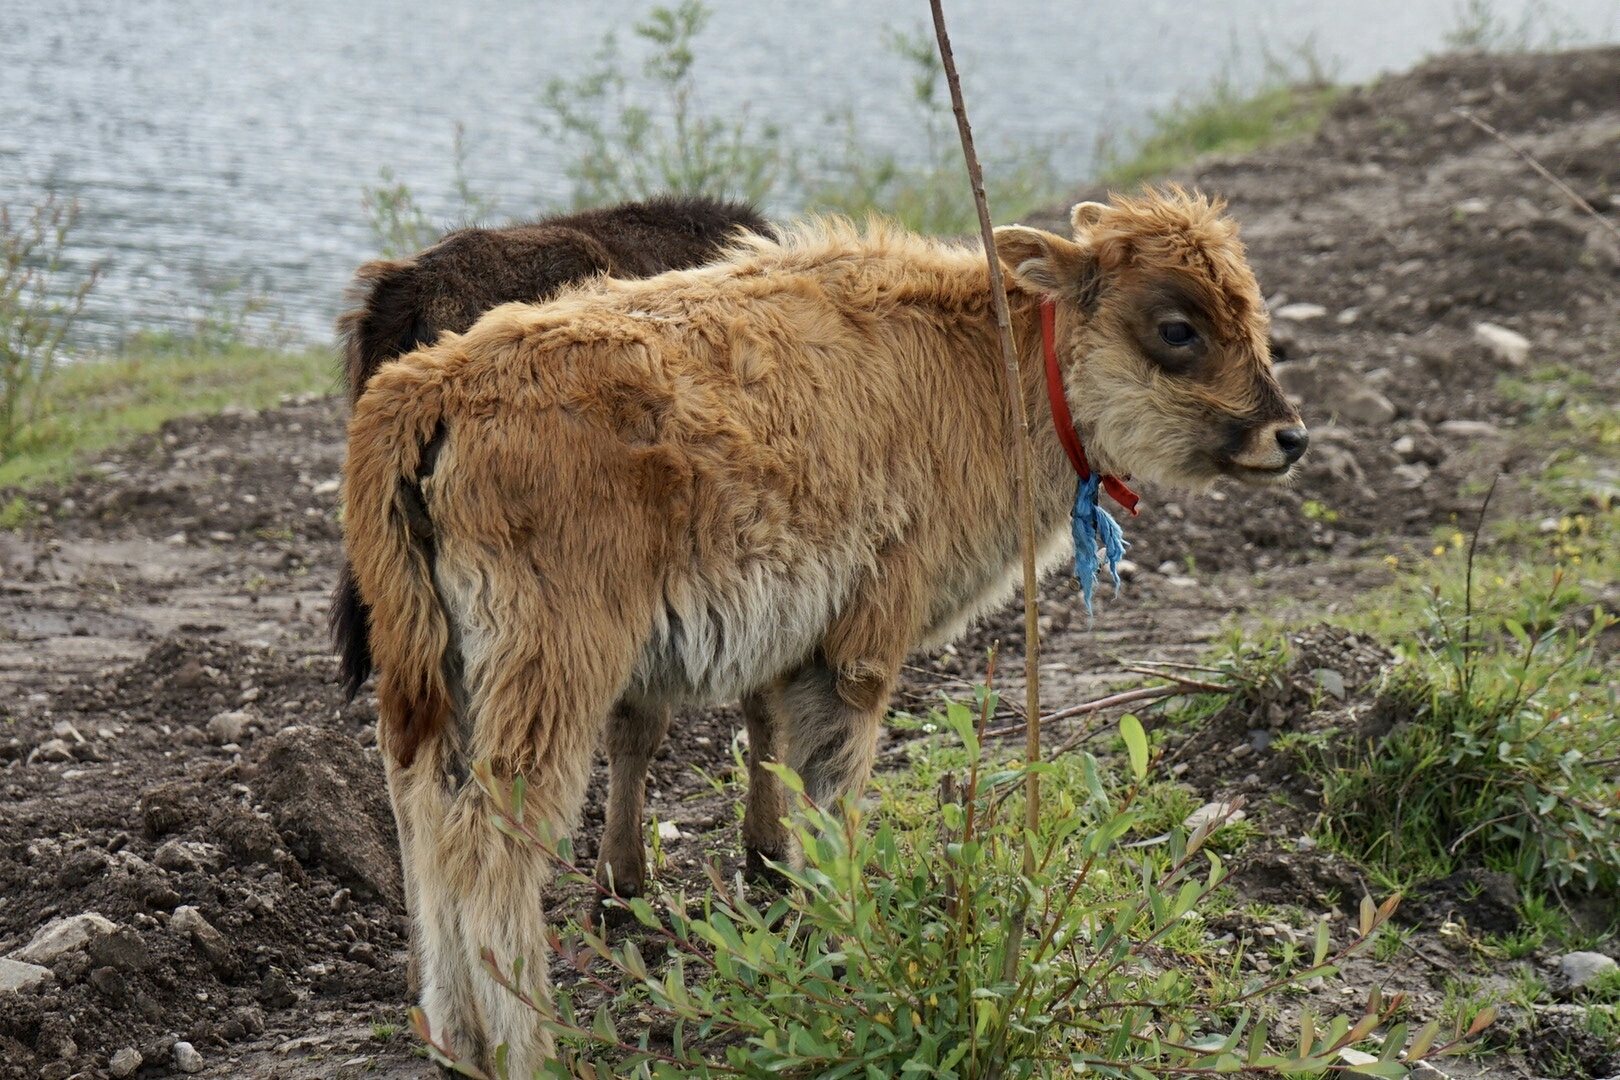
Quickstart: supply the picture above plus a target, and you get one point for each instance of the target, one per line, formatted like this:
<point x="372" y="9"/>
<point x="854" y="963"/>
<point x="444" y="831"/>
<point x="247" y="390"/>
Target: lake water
<point x="218" y="148"/>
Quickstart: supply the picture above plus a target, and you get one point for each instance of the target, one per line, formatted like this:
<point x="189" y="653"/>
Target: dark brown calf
<point x="401" y="305"/>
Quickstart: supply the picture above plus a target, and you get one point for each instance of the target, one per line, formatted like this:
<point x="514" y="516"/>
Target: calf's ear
<point x="1086" y="214"/>
<point x="1042" y="263"/>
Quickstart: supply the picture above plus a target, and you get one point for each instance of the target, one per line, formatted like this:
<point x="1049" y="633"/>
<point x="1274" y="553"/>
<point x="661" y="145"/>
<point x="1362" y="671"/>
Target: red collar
<point x="1064" y="422"/>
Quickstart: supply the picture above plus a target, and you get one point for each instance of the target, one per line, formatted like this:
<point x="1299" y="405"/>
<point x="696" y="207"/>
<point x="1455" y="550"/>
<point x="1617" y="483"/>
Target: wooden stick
<point x="1025" y="453"/>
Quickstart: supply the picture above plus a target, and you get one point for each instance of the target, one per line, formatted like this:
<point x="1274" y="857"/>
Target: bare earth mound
<point x="176" y="759"/>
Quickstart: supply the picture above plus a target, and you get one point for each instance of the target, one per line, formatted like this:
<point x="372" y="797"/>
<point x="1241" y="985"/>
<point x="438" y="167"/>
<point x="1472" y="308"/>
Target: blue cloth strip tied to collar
<point x="1092" y="525"/>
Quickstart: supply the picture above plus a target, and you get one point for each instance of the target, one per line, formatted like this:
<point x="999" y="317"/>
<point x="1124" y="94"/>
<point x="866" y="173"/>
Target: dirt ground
<point x="175" y="755"/>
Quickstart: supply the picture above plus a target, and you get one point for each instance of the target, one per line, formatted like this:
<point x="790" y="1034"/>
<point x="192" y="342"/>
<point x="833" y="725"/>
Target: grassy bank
<point x="95" y="404"/>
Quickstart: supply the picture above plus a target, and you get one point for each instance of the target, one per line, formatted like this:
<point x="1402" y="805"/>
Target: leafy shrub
<point x="926" y="950"/>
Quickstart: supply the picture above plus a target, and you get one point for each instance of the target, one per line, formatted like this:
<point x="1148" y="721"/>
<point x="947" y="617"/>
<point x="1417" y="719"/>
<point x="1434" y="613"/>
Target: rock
<point x="17" y="976"/>
<point x="226" y="727"/>
<point x="122" y="949"/>
<point x="59" y="937"/>
<point x="328" y="801"/>
<point x="1299" y="312"/>
<point x="669" y="832"/>
<point x="64" y="730"/>
<point x="186" y="856"/>
<point x="1413" y="475"/>
<point x="1508" y="346"/>
<point x="362" y="952"/>
<point x="1211" y="812"/>
<point x="124" y="1063"/>
<point x="1128" y="570"/>
<point x="1468" y="429"/>
<point x="1584" y="968"/>
<point x="275" y="992"/>
<point x="208" y="941"/>
<point x="110" y="983"/>
<point x="1364" y="405"/>
<point x="186" y="1058"/>
<point x="1331" y="682"/>
<point x="56" y="1070"/>
<point x="51" y="750"/>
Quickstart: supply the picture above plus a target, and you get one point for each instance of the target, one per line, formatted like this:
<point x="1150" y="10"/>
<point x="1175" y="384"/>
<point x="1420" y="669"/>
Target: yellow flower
<point x="1391" y="561"/>
<point x="1457" y="539"/>
<point x="1439" y="549"/>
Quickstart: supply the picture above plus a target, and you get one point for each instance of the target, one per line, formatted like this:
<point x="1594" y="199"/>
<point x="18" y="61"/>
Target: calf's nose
<point x="1293" y="441"/>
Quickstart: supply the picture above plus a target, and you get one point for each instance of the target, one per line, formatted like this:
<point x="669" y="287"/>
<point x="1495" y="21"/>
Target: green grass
<point x="1224" y="120"/>
<point x="91" y="406"/>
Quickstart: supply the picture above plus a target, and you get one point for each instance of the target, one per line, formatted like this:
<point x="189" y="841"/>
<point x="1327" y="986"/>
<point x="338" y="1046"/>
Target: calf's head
<point x="1163" y="340"/>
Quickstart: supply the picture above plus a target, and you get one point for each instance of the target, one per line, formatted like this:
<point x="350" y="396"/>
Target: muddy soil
<point x="175" y="756"/>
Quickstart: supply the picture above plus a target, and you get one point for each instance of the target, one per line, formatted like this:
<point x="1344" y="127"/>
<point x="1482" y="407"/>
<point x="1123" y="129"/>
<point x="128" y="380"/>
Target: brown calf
<point x="402" y="305"/>
<point x="785" y="470"/>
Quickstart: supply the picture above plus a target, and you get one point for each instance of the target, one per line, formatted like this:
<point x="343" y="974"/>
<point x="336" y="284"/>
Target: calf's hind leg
<point x="635" y="732"/>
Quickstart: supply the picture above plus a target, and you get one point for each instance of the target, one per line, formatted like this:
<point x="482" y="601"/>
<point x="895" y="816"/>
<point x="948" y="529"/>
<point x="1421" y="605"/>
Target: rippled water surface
<point x="219" y="149"/>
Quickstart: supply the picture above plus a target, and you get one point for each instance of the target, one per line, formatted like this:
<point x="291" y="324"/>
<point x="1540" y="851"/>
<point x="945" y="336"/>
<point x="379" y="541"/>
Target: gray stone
<point x="1364" y="405"/>
<point x="61" y="936"/>
<point x="186" y="1058"/>
<point x="1413" y="475"/>
<point x="1468" y="429"/>
<point x="51" y="750"/>
<point x="1584" y="968"/>
<point x="208" y="941"/>
<point x="15" y="976"/>
<point x="1508" y="346"/>
<point x="1331" y="682"/>
<point x="185" y="856"/>
<point x="125" y="1062"/>
<point x="226" y="727"/>
<point x="1299" y="312"/>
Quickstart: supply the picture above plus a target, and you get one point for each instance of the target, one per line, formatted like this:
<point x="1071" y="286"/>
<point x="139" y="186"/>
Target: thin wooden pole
<point x="1024" y="455"/>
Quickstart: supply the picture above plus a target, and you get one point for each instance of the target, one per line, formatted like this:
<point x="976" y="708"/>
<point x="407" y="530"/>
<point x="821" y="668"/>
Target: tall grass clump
<point x="1293" y="98"/>
<point x="40" y="298"/>
<point x="894" y="950"/>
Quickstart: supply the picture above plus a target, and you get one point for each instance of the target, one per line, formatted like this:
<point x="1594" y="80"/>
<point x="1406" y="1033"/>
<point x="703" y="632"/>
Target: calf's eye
<point x="1177" y="333"/>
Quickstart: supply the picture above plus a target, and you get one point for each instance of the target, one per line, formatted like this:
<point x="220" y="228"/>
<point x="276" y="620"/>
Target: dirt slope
<point x="176" y="758"/>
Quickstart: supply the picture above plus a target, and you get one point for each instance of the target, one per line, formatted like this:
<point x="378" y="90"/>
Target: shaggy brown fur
<point x="403" y="304"/>
<point x="786" y="470"/>
<point x="400" y="305"/>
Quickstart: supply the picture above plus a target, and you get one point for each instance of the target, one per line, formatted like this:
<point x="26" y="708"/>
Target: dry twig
<point x="1524" y="155"/>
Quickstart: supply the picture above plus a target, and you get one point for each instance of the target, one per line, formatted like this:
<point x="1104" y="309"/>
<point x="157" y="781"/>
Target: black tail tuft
<point x="349" y="622"/>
